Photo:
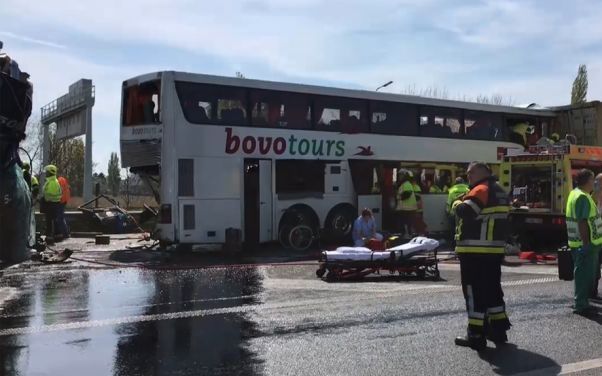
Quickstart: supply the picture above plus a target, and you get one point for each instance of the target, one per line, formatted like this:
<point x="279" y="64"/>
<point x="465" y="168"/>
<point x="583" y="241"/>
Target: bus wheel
<point x="339" y="221"/>
<point x="301" y="237"/>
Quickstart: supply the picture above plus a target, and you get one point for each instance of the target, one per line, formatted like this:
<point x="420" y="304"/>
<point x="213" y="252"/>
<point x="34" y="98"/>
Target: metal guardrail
<point x="69" y="102"/>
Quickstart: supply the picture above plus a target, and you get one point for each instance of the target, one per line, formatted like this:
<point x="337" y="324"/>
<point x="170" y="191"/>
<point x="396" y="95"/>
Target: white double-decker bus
<point x="263" y="156"/>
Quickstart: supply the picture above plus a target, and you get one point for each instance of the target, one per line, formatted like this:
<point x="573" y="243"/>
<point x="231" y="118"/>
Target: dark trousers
<point x="481" y="284"/>
<point x="419" y="225"/>
<point x="451" y="221"/>
<point x="51" y="213"/>
<point x="597" y="276"/>
<point x="404" y="221"/>
<point x="61" y="223"/>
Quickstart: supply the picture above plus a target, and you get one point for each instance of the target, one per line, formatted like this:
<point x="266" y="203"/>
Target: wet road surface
<point x="278" y="321"/>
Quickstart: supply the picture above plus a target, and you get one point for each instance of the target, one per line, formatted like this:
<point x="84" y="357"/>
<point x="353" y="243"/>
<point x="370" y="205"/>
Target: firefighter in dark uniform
<point x="481" y="233"/>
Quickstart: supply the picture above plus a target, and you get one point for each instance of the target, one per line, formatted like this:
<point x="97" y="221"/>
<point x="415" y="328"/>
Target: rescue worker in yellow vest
<point x="521" y="132"/>
<point x="455" y="193"/>
<point x="35" y="187"/>
<point x="584" y="230"/>
<point x="31" y="180"/>
<point x="480" y="242"/>
<point x="406" y="206"/>
<point x="439" y="186"/>
<point x="52" y="198"/>
<point x="418" y="224"/>
<point x="27" y="173"/>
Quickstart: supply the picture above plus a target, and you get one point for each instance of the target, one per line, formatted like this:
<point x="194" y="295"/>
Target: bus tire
<point x="339" y="221"/>
<point x="301" y="238"/>
<point x="298" y="214"/>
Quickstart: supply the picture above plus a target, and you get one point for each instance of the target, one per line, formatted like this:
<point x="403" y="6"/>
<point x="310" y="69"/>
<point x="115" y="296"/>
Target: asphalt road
<point x="279" y="320"/>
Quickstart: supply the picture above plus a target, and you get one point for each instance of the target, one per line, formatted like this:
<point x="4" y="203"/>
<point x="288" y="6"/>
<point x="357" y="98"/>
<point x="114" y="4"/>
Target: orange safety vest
<point x="66" y="189"/>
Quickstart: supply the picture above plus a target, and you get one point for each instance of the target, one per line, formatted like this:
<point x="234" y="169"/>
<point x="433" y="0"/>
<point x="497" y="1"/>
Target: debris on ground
<point x="50" y="256"/>
<point x="112" y="219"/>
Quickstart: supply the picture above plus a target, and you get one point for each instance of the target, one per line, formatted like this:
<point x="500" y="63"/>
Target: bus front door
<point x="258" y="201"/>
<point x="265" y="201"/>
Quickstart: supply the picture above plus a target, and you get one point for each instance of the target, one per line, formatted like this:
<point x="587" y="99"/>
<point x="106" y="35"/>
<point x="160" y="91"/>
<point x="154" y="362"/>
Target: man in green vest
<point x="455" y="193"/>
<point x="418" y="222"/>
<point x="439" y="186"/>
<point x="584" y="229"/>
<point x="406" y="206"/>
<point x="52" y="198"/>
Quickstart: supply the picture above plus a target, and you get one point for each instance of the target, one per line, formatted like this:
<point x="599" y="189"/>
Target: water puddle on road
<point x="130" y="322"/>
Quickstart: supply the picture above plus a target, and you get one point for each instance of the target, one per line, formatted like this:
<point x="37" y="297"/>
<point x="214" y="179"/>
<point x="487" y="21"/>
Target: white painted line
<point x="138" y="307"/>
<point x="414" y="289"/>
<point x="565" y="369"/>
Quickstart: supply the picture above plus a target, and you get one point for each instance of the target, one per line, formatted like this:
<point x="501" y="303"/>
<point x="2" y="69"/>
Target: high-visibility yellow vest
<point x="435" y="189"/>
<point x="409" y="204"/>
<point x="572" y="225"/>
<point x="52" y="189"/>
<point x="455" y="193"/>
<point x="417" y="192"/>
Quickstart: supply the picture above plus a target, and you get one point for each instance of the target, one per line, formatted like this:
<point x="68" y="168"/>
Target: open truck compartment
<point x="539" y="182"/>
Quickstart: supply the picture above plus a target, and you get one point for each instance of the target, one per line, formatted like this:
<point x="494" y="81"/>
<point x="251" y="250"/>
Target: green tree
<point x="114" y="176"/>
<point x="579" y="91"/>
<point x="68" y="157"/>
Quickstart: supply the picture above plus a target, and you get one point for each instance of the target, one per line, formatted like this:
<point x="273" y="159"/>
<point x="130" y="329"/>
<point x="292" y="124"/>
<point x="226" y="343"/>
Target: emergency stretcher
<point x="417" y="258"/>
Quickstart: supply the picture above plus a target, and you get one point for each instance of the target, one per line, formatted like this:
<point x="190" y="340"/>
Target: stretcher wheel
<point x="436" y="275"/>
<point x="320" y="272"/>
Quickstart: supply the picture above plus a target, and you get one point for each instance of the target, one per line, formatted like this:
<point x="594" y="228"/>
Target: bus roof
<point x="331" y="91"/>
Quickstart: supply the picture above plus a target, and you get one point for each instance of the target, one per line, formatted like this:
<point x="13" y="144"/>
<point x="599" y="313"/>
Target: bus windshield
<point x="141" y="104"/>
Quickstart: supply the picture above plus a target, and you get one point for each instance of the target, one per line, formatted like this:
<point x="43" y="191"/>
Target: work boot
<point x="587" y="312"/>
<point x="475" y="342"/>
<point x="498" y="337"/>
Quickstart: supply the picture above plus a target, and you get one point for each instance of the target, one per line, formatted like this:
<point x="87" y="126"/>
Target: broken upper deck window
<point x="141" y="104"/>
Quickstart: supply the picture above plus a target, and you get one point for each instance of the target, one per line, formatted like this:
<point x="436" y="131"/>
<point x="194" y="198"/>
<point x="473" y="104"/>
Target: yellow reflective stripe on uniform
<point x="496" y="210"/>
<point x="498" y="316"/>
<point x="476" y="322"/>
<point x="490" y="224"/>
<point x="483" y="250"/>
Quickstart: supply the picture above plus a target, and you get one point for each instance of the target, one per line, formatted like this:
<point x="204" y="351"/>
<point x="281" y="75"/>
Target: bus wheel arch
<point x="339" y="221"/>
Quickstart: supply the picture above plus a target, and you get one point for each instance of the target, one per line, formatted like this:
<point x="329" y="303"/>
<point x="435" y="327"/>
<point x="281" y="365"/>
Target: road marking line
<point x="191" y="301"/>
<point x="240" y="309"/>
<point x="565" y="369"/>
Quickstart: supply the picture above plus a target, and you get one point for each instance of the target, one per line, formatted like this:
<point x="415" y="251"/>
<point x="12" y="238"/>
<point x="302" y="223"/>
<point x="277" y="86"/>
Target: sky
<point x="527" y="51"/>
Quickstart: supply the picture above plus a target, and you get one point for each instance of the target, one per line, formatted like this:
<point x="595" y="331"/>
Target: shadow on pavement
<point x="189" y="258"/>
<point x="385" y="278"/>
<point x="510" y="360"/>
